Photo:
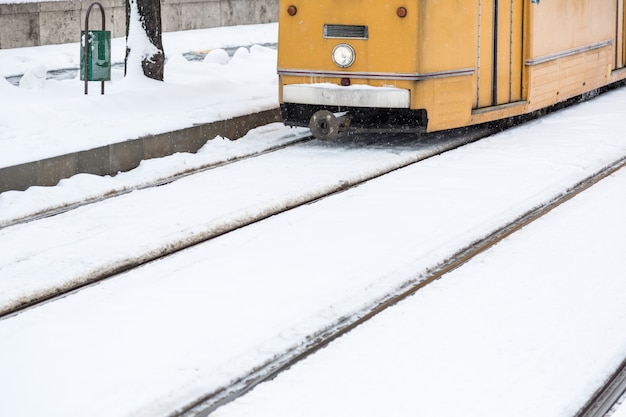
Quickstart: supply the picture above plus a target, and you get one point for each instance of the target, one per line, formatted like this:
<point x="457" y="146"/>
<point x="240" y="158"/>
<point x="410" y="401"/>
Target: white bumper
<point x="352" y="96"/>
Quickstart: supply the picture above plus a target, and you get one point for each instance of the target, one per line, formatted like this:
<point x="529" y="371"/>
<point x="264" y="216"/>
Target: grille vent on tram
<point x="345" y="31"/>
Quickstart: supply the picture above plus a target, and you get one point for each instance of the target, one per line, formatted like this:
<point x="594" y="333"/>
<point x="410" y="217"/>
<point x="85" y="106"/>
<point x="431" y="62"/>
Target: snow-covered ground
<point x="64" y="120"/>
<point x="529" y="328"/>
<point x="17" y="205"/>
<point x="158" y="337"/>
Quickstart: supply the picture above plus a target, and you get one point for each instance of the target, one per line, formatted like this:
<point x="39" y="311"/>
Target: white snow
<point x="156" y="338"/>
<point x="504" y="335"/>
<point x="620" y="408"/>
<point x="16" y="205"/>
<point x="132" y="107"/>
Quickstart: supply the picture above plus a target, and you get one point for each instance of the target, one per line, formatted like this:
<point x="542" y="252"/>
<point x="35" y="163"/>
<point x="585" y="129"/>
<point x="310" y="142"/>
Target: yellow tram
<point x="428" y="65"/>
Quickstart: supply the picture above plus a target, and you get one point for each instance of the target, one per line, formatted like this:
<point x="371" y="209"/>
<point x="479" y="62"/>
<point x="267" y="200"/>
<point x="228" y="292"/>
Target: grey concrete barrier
<point x="126" y="155"/>
<point x="56" y="22"/>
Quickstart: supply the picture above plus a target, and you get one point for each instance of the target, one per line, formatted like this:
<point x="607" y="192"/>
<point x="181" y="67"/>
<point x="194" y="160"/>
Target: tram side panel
<point x="530" y="55"/>
<point x="621" y="33"/>
<point x="571" y="49"/>
<point x="446" y="64"/>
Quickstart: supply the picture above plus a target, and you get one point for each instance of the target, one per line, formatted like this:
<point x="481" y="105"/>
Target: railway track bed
<point x="91" y="242"/>
<point x="503" y="334"/>
<point x="210" y="315"/>
<point x="83" y="189"/>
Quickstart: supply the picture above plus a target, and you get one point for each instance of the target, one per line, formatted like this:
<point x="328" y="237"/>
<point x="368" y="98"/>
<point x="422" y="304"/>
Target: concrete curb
<point x="124" y="156"/>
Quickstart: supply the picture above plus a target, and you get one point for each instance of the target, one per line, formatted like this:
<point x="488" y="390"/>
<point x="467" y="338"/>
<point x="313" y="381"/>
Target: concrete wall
<point x="55" y="22"/>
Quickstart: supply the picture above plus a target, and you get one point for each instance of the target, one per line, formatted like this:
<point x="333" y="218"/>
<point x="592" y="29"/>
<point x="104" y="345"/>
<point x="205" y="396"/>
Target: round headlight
<point x="343" y="55"/>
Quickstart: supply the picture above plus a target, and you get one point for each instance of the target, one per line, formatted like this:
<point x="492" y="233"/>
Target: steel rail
<point x="204" y="406"/>
<point x="209" y="402"/>
<point x="213" y="400"/>
<point x="442" y="142"/>
<point x="607" y="395"/>
<point x="60" y="209"/>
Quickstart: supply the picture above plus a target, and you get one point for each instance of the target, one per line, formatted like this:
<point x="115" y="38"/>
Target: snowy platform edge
<point x="126" y="155"/>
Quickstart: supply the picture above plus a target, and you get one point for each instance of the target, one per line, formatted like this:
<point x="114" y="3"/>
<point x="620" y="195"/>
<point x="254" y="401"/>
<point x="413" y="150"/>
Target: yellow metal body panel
<point x="443" y="25"/>
<point x="484" y="59"/>
<point x="448" y="101"/>
<point x="561" y="25"/>
<point x="505" y="23"/>
<point x="391" y="46"/>
<point x="544" y="53"/>
<point x="571" y="48"/>
<point x="568" y="77"/>
<point x="620" y="35"/>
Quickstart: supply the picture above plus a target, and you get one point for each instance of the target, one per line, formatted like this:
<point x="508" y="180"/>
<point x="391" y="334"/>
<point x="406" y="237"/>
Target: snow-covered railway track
<point x="364" y="159"/>
<point x="303" y="273"/>
<point x="607" y="396"/>
<point x="172" y="175"/>
<point x="598" y="406"/>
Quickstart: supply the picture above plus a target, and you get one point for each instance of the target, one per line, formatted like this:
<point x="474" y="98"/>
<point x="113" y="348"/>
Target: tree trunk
<point x="143" y="38"/>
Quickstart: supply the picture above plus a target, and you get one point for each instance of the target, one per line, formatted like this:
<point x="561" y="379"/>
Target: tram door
<point x="620" y="36"/>
<point x="500" y="43"/>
